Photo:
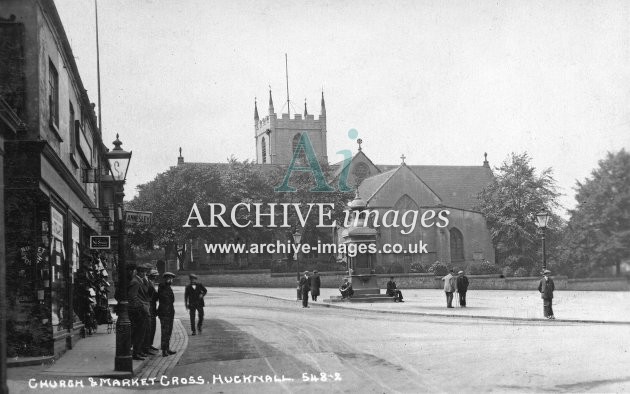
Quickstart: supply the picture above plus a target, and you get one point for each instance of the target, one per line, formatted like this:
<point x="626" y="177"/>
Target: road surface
<point x="248" y="340"/>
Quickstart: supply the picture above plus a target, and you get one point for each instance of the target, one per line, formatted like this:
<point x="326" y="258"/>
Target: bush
<point x="520" y="272"/>
<point x="508" y="272"/>
<point x="396" y="269"/>
<point x="536" y="271"/>
<point x="438" y="268"/>
<point x="416" y="268"/>
<point x="484" y="268"/>
<point x="379" y="269"/>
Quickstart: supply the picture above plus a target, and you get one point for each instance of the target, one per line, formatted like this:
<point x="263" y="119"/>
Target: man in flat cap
<point x="305" y="287"/>
<point x="138" y="310"/>
<point x="193" y="299"/>
<point x="166" y="312"/>
<point x="152" y="296"/>
<point x="546" y="288"/>
<point x="462" y="288"/>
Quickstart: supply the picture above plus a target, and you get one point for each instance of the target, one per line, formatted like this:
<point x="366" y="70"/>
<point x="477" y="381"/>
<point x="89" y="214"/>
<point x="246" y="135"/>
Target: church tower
<point x="276" y="137"/>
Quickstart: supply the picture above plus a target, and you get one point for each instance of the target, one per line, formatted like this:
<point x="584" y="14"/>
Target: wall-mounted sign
<point x="100" y="242"/>
<point x="57" y="223"/>
<point x="138" y="217"/>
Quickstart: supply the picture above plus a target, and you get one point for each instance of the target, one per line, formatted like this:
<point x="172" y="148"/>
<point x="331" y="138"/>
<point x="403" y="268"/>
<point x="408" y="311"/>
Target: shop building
<point x="52" y="166"/>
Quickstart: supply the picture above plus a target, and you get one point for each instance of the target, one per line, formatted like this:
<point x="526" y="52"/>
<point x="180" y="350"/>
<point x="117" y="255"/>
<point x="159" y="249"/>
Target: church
<point x="464" y="241"/>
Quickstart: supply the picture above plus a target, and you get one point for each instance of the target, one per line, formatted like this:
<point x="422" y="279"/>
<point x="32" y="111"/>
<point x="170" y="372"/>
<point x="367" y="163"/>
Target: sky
<point x="441" y="82"/>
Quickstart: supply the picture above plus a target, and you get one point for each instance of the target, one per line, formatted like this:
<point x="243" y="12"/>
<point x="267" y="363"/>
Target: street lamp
<point x="542" y="219"/>
<point x="118" y="160"/>
<point x="297" y="237"/>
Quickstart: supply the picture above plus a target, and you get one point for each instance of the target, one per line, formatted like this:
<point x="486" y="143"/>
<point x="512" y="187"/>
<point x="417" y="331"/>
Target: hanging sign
<point x="100" y="242"/>
<point x="138" y="217"/>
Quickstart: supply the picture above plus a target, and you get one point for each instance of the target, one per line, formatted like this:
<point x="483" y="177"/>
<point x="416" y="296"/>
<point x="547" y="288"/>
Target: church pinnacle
<point x="271" y="110"/>
<point x="305" y="111"/>
<point x="256" y="118"/>
<point x="323" y="110"/>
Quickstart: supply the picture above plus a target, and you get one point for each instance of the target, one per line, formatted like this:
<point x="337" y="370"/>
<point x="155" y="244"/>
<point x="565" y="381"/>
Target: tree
<point x="598" y="232"/>
<point x="171" y="195"/>
<point x="510" y="204"/>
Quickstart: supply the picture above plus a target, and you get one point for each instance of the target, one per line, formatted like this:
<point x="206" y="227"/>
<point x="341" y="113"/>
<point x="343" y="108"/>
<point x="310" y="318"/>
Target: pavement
<point x="93" y="356"/>
<point x="569" y="306"/>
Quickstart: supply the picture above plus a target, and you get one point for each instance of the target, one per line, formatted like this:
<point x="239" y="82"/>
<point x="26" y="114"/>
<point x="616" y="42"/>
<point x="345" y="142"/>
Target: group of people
<point x="144" y="309"/>
<point x="454" y="284"/>
<point x="309" y="283"/>
<point x="146" y="304"/>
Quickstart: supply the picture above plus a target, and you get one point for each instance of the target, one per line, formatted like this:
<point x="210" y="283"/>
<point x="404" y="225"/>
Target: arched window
<point x="457" y="245"/>
<point x="264" y="150"/>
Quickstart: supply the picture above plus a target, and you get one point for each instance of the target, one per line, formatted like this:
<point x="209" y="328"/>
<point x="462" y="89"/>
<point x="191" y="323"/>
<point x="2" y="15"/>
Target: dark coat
<point x="316" y="283"/>
<point x="152" y="295"/>
<point x="462" y="284"/>
<point x="137" y="294"/>
<point x="194" y="297"/>
<point x="166" y="298"/>
<point x="305" y="284"/>
<point x="546" y="288"/>
<point x="391" y="288"/>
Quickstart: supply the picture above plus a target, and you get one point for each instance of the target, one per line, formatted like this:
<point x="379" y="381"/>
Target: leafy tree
<point x="598" y="232"/>
<point x="510" y="204"/>
<point x="171" y="195"/>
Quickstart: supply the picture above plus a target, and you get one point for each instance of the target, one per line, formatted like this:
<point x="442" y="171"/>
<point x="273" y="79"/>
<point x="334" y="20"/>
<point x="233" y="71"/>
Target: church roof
<point x="457" y="186"/>
<point x="370" y="186"/>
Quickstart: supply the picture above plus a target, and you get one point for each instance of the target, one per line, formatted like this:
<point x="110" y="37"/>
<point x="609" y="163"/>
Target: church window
<point x="264" y="150"/>
<point x="457" y="245"/>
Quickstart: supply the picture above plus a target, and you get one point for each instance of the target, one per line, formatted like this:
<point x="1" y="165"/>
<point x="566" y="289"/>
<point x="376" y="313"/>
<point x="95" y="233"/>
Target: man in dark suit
<point x="138" y="311"/>
<point x="152" y="296"/>
<point x="193" y="299"/>
<point x="393" y="291"/>
<point x="546" y="288"/>
<point x="316" y="283"/>
<point x="305" y="287"/>
<point x="462" y="288"/>
<point x="166" y="312"/>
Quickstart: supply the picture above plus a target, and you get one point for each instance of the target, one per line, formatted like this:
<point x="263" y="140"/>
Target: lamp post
<point x="118" y="160"/>
<point x="297" y="237"/>
<point x="542" y="219"/>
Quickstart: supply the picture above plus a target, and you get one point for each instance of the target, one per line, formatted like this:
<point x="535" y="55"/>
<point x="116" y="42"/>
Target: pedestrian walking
<point x="153" y="297"/>
<point x="462" y="288"/>
<point x="393" y="291"/>
<point x="546" y="288"/>
<point x="316" y="283"/>
<point x="166" y="312"/>
<point x="193" y="299"/>
<point x="305" y="287"/>
<point x="138" y="311"/>
<point x="450" y="285"/>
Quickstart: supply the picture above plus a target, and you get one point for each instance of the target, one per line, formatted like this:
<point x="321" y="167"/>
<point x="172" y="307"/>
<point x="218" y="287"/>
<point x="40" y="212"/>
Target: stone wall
<point x="264" y="278"/>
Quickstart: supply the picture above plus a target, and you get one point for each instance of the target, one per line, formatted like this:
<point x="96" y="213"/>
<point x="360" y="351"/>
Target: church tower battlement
<point x="276" y="137"/>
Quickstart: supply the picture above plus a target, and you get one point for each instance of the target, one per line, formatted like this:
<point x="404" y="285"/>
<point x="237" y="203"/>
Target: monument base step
<point x="362" y="298"/>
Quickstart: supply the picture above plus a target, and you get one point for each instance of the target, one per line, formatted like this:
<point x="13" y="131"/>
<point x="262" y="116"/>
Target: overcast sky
<point x="439" y="81"/>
